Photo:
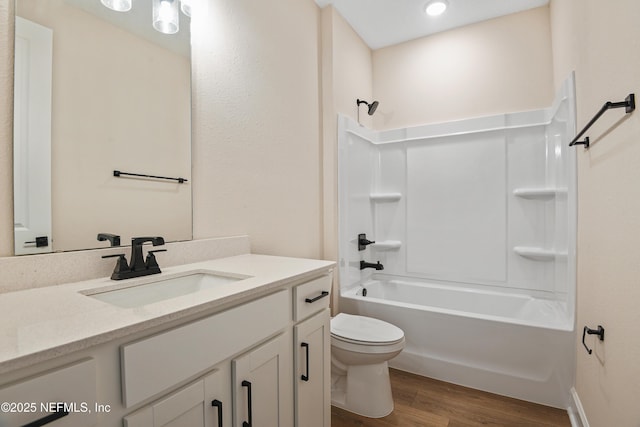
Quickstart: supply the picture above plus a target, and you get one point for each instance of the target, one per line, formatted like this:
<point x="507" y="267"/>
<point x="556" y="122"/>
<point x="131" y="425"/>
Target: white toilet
<point x="360" y="349"/>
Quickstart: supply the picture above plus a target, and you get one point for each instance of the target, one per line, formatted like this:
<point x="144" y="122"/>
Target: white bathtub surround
<point x="474" y="222"/>
<point x="35" y="271"/>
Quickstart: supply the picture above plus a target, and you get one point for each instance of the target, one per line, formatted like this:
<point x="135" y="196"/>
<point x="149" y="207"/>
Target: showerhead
<point x="371" y="107"/>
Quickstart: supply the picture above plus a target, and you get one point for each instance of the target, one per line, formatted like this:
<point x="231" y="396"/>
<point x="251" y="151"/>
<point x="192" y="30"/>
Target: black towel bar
<point x="629" y="105"/>
<point x="119" y="174"/>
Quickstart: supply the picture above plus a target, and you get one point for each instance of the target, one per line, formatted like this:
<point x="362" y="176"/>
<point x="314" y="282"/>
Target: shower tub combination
<point x="504" y="343"/>
<point x="474" y="223"/>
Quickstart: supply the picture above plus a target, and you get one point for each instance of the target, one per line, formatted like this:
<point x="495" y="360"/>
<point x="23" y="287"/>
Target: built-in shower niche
<point x="486" y="202"/>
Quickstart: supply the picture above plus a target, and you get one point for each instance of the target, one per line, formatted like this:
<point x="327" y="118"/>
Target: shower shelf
<point x="538" y="192"/>
<point x="387" y="245"/>
<point x="539" y="254"/>
<point x="385" y="197"/>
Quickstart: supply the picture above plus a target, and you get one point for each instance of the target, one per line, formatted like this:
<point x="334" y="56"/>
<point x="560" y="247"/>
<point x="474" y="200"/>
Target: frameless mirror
<point x="98" y="91"/>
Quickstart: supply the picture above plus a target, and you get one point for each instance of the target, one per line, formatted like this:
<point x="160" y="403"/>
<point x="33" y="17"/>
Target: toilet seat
<point x="363" y="330"/>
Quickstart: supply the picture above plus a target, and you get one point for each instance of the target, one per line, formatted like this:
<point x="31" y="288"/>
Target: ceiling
<point x="383" y="23"/>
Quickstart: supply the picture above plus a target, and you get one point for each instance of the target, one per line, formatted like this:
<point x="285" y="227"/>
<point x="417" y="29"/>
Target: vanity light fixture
<point x="165" y="16"/>
<point x="185" y="7"/>
<point x="165" y="12"/>
<point x="436" y="7"/>
<point x="117" y="5"/>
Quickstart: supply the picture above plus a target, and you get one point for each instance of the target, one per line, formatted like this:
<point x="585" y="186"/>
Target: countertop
<point x="39" y="324"/>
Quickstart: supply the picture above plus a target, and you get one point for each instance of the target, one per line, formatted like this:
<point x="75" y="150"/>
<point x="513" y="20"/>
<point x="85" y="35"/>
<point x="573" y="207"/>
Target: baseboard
<point x="576" y="412"/>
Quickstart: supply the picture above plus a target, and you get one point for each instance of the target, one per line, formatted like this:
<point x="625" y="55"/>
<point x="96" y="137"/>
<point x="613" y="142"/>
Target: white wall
<point x="601" y="44"/>
<point x="492" y="67"/>
<point x="256" y="131"/>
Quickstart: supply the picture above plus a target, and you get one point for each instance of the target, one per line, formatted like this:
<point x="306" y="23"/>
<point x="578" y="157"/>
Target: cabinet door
<point x="313" y="371"/>
<point x="218" y="397"/>
<point x="262" y="385"/>
<point x="199" y="404"/>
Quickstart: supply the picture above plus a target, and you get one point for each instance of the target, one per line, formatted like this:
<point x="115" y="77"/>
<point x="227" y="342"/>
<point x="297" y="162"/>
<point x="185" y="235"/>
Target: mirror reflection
<point x="98" y="90"/>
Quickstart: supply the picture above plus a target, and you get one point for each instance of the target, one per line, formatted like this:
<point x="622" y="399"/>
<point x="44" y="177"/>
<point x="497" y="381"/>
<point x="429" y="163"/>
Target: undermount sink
<point x="149" y="293"/>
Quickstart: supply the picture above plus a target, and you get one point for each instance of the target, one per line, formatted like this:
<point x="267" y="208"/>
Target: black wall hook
<point x="587" y="330"/>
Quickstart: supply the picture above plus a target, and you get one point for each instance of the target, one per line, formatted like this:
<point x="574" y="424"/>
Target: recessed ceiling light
<point x="436" y="7"/>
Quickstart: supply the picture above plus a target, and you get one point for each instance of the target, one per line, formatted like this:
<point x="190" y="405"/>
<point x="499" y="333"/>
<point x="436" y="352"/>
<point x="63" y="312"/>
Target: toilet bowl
<point x="360" y="349"/>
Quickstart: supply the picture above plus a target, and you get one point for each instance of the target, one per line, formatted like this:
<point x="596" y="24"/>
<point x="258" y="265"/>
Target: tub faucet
<point x="377" y="265"/>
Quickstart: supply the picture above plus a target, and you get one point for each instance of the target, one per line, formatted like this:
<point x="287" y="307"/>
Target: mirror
<point x="98" y="91"/>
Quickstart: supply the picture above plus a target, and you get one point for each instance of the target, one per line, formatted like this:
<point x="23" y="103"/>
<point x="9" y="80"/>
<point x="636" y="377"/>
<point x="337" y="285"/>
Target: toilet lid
<point x="364" y="329"/>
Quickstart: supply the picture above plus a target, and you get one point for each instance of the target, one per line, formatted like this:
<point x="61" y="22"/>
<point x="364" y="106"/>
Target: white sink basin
<point x="148" y="293"/>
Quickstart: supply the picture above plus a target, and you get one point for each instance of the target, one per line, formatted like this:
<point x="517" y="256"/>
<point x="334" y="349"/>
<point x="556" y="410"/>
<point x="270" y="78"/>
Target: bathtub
<point x="509" y="344"/>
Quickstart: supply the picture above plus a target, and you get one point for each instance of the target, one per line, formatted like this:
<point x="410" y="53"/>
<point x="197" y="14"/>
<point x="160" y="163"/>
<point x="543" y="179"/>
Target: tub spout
<point x="377" y="265"/>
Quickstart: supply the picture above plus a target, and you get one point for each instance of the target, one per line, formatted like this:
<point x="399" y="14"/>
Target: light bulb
<point x="165" y="16"/>
<point x="436" y="7"/>
<point x="185" y="7"/>
<point x="117" y="5"/>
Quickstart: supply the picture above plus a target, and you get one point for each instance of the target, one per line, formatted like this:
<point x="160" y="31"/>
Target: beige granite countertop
<point x="39" y="324"/>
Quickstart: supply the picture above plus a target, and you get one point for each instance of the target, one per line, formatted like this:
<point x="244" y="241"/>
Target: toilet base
<point x="364" y="390"/>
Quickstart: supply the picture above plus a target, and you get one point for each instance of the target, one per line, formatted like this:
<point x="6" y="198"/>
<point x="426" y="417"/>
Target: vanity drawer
<point x="311" y="297"/>
<point x="153" y="365"/>
<point x="70" y="389"/>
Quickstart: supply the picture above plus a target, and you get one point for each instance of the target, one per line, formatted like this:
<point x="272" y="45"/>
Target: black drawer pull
<point x="247" y="384"/>
<point x="322" y="295"/>
<point x="48" y="419"/>
<point x="218" y="405"/>
<point x="306" y="347"/>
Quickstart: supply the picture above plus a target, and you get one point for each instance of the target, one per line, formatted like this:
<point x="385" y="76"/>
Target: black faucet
<point x="139" y="266"/>
<point x="113" y="239"/>
<point x="377" y="265"/>
<point x="363" y="242"/>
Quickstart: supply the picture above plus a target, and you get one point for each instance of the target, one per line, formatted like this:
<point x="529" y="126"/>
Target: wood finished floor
<point x="426" y="402"/>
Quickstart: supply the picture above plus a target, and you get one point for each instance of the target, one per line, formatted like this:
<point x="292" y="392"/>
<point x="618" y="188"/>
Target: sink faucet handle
<point x="121" y="264"/>
<point x="151" y="262"/>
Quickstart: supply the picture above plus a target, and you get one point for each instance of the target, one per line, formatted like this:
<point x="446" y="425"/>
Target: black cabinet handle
<point x="48" y="419"/>
<point x="40" y="242"/>
<point x="247" y="384"/>
<point x="218" y="405"/>
<point x="306" y="347"/>
<point x="322" y="295"/>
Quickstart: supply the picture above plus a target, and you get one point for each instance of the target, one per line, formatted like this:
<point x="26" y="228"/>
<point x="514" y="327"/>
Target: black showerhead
<point x="371" y="107"/>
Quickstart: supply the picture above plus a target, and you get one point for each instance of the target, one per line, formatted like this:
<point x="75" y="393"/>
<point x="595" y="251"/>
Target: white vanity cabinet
<point x="62" y="397"/>
<point x="312" y="353"/>
<point x="238" y="363"/>
<point x="282" y="382"/>
<point x="203" y="403"/>
<point x="262" y="385"/>
<point x="313" y="371"/>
